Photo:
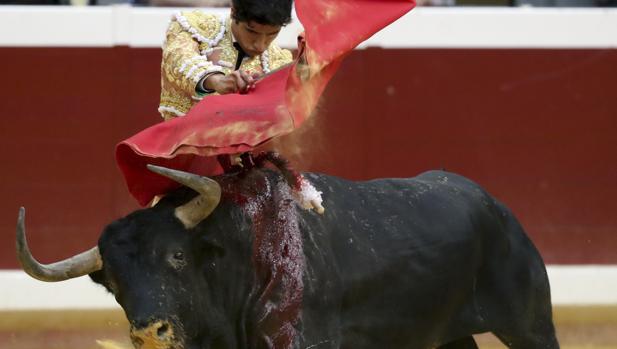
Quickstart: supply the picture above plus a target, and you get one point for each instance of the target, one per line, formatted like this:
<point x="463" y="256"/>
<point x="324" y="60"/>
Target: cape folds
<point x="281" y="102"/>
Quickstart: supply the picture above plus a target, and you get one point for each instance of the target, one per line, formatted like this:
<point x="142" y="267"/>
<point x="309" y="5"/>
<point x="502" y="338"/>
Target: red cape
<point x="279" y="104"/>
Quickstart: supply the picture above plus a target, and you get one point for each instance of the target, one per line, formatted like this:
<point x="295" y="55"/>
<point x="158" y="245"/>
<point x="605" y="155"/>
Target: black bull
<point x="424" y="262"/>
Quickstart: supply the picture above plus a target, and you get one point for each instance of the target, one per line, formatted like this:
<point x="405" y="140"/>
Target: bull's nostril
<point x="163" y="331"/>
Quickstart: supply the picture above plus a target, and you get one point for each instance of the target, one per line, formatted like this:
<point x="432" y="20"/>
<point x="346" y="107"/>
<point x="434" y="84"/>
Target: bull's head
<point x="160" y="264"/>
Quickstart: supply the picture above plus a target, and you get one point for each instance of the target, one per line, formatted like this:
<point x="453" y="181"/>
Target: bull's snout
<point x="158" y="334"/>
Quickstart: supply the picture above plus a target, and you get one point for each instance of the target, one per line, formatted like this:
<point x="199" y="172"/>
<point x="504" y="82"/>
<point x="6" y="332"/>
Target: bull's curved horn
<point x="196" y="210"/>
<point x="79" y="265"/>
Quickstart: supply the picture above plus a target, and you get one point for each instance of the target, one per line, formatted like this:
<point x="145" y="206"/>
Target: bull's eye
<point x="177" y="260"/>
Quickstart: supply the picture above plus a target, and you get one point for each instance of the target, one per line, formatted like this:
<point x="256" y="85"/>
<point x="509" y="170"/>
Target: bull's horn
<point x="196" y="210"/>
<point x="79" y="265"/>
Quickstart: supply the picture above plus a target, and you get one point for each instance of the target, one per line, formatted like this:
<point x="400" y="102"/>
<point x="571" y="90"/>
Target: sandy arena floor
<point x="577" y="328"/>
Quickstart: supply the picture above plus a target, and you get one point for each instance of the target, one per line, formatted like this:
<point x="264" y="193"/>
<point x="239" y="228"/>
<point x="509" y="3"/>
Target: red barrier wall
<point x="535" y="127"/>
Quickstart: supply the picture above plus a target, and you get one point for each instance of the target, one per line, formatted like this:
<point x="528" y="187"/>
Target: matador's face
<point x="253" y="37"/>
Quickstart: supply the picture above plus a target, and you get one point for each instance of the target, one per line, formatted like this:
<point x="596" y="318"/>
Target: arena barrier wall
<point x="521" y="100"/>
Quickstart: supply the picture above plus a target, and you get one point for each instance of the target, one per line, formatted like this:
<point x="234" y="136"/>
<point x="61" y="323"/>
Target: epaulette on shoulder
<point x="204" y="27"/>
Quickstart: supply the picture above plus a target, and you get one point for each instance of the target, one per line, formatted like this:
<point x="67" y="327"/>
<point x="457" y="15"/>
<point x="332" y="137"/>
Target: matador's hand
<point x="236" y="82"/>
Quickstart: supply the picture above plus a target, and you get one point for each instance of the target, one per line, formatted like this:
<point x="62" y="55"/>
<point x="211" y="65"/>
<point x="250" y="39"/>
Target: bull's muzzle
<point x="156" y="335"/>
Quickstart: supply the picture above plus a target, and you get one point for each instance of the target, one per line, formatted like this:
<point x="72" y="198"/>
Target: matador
<point x="206" y="54"/>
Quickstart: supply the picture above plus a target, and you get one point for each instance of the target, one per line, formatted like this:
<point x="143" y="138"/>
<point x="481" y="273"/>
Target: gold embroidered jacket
<point x="197" y="44"/>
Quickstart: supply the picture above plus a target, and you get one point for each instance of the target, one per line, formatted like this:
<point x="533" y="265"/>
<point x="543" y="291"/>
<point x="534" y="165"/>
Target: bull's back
<point x="434" y="216"/>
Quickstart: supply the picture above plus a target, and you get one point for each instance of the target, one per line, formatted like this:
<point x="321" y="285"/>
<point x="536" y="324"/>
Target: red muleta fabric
<point x="279" y="104"/>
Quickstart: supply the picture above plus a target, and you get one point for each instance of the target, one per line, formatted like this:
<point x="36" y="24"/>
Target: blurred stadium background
<point x="521" y="99"/>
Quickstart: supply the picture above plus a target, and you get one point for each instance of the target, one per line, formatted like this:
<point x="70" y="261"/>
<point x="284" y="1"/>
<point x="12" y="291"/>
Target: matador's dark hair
<point x="270" y="12"/>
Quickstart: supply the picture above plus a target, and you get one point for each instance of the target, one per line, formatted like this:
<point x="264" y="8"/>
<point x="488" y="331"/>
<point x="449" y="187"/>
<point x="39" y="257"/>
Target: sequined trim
<point x="165" y="109"/>
<point x="195" y="33"/>
<point x="190" y="61"/>
<point x="174" y="103"/>
<point x="225" y="64"/>
<point x="212" y="69"/>
<point x="200" y="75"/>
<point x="265" y="61"/>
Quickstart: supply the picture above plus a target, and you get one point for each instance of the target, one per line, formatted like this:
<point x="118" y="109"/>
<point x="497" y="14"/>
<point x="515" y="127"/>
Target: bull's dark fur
<point x="422" y="262"/>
